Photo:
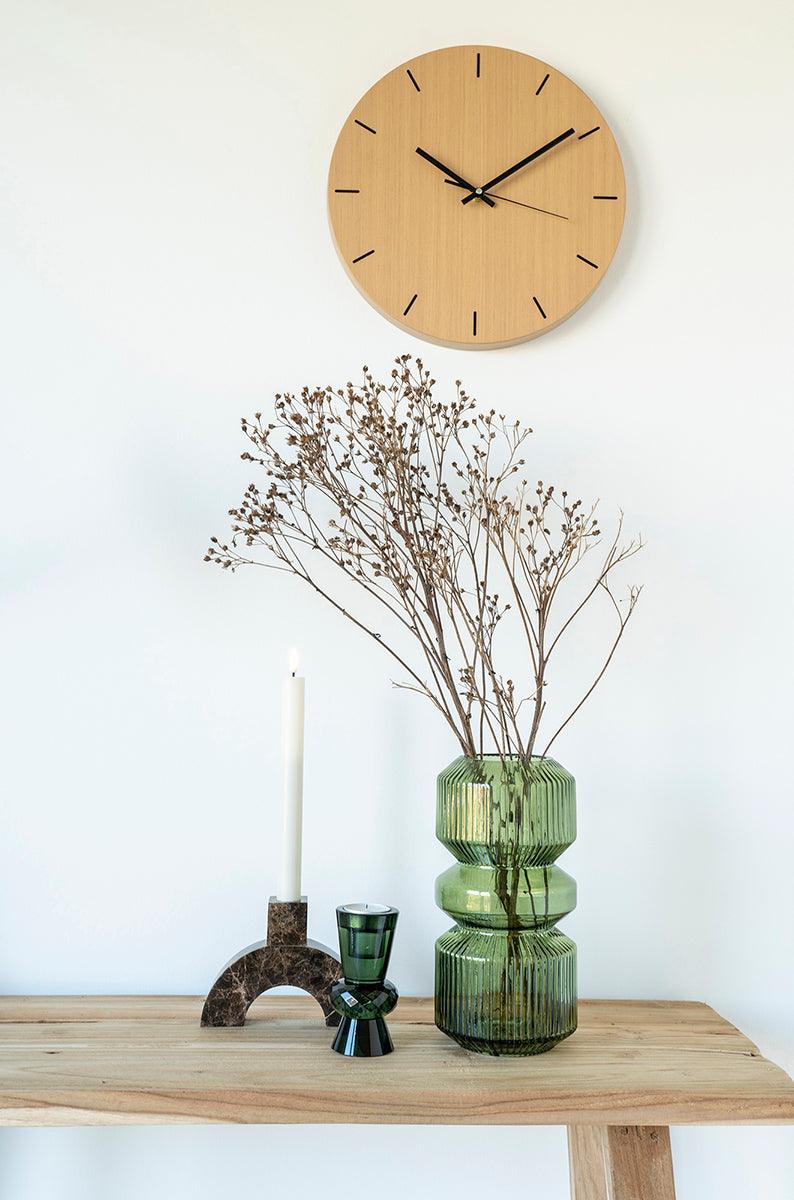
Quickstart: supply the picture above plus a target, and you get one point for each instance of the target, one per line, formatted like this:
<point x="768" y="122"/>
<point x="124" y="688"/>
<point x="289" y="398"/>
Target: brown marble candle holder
<point x="287" y="957"/>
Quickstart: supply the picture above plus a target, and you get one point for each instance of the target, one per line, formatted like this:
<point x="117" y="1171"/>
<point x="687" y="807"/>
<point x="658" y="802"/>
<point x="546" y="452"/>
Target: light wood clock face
<point x="476" y="196"/>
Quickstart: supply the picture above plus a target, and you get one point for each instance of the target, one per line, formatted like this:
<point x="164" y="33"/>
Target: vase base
<point x="501" y="1049"/>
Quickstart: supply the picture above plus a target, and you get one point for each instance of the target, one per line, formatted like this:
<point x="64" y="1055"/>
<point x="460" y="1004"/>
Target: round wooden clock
<point x="476" y="196"/>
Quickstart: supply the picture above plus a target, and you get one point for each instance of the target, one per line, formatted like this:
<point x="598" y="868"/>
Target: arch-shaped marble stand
<point x="286" y="957"/>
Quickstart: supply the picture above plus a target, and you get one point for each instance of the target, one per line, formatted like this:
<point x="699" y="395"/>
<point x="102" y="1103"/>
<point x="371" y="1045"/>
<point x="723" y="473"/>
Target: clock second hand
<point x="508" y="200"/>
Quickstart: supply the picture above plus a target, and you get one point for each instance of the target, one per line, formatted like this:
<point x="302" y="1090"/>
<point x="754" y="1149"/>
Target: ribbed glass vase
<point x="505" y="976"/>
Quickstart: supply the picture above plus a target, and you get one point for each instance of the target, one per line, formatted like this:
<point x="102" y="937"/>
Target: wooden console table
<point x="633" y="1068"/>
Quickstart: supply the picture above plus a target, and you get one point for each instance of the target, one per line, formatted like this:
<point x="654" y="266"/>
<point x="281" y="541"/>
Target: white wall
<point x="165" y="265"/>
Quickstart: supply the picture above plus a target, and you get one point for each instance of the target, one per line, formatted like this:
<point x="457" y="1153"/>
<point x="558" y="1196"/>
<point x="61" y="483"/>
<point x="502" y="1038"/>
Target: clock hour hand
<point x="518" y="166"/>
<point x="476" y="193"/>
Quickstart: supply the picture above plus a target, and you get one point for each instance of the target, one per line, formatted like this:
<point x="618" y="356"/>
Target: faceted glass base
<point x="362" y="1039"/>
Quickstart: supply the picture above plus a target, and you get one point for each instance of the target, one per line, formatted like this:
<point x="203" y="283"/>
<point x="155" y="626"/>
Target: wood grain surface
<point x="146" y="1060"/>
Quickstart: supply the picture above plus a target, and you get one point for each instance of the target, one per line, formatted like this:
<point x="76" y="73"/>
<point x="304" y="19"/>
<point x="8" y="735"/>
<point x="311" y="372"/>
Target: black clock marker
<point x="363" y="126"/>
<point x="543" y="83"/>
<point x="409" y="305"/>
<point x="353" y="191"/>
<point x="413" y="81"/>
<point x="537" y="306"/>
<point x="582" y="259"/>
<point x="365" y="255"/>
<point x="595" y="129"/>
<point x="474" y="323"/>
<point x="478" y="64"/>
<point x="605" y="197"/>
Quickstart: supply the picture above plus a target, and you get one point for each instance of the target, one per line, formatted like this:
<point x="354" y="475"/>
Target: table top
<point x="145" y="1060"/>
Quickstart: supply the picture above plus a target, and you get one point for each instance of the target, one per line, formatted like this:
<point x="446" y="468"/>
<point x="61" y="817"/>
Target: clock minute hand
<point x="517" y="167"/>
<point x="458" y="179"/>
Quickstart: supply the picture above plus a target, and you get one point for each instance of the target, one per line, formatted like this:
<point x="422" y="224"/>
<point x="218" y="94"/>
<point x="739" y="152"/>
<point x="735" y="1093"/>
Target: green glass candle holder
<point x="364" y="996"/>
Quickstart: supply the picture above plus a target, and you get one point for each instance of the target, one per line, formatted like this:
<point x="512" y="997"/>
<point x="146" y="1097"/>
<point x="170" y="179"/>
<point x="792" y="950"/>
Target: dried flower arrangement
<point x="423" y="503"/>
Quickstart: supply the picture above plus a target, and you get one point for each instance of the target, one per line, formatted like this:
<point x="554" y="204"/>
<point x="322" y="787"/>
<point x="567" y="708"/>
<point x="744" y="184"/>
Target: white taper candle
<point x="289" y="886"/>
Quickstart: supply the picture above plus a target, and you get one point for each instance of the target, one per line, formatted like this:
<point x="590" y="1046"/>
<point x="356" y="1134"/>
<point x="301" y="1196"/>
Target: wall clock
<point x="476" y="196"/>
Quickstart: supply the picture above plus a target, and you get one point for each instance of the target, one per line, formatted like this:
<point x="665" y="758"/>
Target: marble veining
<point x="286" y="957"/>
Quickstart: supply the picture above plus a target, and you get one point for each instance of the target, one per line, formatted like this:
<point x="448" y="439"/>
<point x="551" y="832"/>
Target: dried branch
<point x="420" y="503"/>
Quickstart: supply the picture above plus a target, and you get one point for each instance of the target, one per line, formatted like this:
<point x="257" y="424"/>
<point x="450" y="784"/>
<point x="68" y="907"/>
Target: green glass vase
<point x="505" y="975"/>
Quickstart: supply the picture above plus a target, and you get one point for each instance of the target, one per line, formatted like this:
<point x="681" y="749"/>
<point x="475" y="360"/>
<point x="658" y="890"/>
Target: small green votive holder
<point x="364" y="996"/>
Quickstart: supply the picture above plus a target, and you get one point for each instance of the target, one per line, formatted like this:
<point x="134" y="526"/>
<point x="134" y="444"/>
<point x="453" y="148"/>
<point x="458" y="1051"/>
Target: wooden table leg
<point x="620" y="1162"/>
<point x="586" y="1158"/>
